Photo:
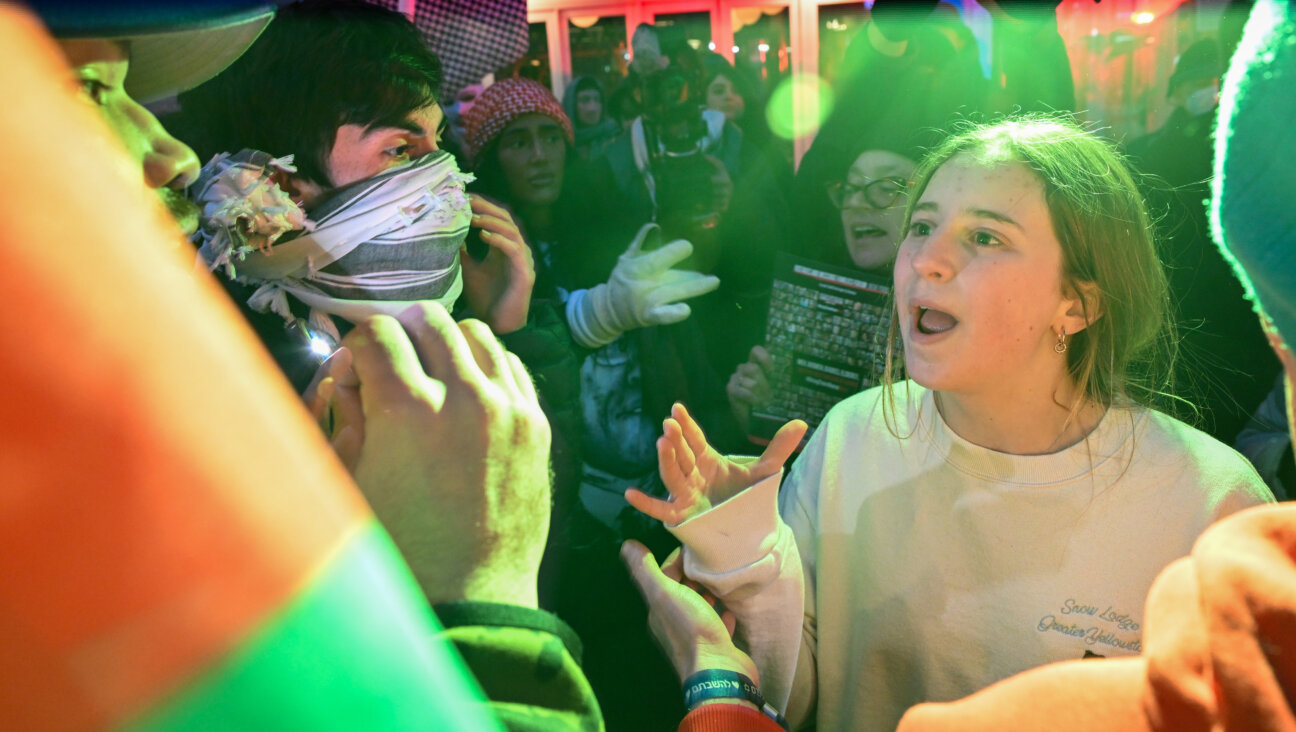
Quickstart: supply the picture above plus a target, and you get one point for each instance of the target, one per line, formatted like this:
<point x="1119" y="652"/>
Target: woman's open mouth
<point x="864" y="230"/>
<point x="932" y="321"/>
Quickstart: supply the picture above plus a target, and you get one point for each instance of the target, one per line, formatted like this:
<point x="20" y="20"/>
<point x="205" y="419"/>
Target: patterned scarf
<point x="370" y="247"/>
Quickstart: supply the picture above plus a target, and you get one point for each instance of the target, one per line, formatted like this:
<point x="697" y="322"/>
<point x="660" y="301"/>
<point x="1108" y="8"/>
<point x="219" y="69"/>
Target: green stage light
<point x="780" y="112"/>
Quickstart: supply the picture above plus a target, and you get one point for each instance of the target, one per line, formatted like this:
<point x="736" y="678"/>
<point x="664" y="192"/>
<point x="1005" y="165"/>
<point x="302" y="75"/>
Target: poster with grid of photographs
<point x="827" y="336"/>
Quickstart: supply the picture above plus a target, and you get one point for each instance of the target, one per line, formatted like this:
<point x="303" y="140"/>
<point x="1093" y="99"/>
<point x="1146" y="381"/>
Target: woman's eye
<point x="920" y="228"/>
<point x="94" y="90"/>
<point x="398" y="151"/>
<point x="985" y="239"/>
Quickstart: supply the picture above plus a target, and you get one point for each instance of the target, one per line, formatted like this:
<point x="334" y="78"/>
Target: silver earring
<point x="1060" y="346"/>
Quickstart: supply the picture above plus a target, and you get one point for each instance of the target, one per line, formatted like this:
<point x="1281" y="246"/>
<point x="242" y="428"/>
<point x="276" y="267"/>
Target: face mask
<point x="374" y="246"/>
<point x="1203" y="100"/>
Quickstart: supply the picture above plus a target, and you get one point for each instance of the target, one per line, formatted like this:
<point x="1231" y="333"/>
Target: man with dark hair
<point x="348" y="90"/>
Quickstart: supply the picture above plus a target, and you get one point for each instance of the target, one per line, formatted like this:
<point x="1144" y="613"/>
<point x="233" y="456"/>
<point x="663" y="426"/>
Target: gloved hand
<point x="643" y="290"/>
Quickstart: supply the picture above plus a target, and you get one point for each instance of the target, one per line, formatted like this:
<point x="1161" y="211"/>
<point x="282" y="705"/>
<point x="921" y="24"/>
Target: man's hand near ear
<point x="498" y="288"/>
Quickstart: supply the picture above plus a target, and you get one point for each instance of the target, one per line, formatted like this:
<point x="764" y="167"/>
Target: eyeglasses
<point x="880" y="193"/>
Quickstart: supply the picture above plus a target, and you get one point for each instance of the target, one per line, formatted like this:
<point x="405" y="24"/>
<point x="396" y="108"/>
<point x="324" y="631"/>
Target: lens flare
<point x="799" y="91"/>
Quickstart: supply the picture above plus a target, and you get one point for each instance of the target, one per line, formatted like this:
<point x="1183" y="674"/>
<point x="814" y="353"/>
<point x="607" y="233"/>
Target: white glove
<point x="643" y="290"/>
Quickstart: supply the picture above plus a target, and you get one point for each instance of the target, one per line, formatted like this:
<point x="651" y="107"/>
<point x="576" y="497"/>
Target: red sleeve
<point x="727" y="718"/>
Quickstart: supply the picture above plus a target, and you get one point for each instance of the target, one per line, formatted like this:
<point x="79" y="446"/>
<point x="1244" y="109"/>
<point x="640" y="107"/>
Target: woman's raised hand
<point x="698" y="477"/>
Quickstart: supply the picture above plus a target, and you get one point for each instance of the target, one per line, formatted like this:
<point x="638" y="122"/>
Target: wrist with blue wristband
<point x="718" y="684"/>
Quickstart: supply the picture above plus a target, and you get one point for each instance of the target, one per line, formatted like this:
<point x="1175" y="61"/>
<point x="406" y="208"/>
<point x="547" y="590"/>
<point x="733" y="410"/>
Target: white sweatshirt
<point x="934" y="567"/>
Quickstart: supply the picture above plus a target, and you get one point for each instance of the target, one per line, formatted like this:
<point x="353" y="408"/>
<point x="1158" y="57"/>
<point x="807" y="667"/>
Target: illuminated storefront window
<point x="598" y="49"/>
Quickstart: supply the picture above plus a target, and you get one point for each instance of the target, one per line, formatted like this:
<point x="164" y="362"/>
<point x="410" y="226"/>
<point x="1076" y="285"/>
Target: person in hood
<point x="586" y="106"/>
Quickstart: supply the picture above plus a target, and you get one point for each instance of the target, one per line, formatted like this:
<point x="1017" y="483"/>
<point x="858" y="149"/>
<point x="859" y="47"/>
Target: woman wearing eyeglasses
<point x="870" y="198"/>
<point x="871" y="201"/>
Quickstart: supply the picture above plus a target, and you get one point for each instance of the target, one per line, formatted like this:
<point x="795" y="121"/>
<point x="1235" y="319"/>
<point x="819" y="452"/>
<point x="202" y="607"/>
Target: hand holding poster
<point x="827" y="336"/>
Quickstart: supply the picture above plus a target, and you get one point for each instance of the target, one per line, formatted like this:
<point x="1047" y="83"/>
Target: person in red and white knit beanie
<point x="503" y="102"/>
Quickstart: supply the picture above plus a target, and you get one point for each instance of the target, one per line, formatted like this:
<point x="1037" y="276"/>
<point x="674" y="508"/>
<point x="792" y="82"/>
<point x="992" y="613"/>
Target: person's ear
<point x="1081" y="306"/>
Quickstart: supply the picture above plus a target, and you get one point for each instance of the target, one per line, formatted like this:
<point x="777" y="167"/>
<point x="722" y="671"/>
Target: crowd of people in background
<point x="534" y="332"/>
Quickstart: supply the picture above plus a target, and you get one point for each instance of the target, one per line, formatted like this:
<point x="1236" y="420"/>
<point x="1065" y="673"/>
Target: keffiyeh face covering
<point x="374" y="246"/>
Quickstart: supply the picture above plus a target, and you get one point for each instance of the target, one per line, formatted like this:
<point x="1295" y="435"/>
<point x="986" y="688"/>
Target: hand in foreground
<point x="698" y="477"/>
<point x="642" y="290"/>
<point x="498" y="288"/>
<point x="684" y="623"/>
<point x="336" y="407"/>
<point x="455" y="453"/>
<point x="749" y="386"/>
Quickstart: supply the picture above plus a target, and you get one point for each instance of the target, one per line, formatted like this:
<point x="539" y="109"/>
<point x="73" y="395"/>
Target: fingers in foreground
<point x="685" y="457"/>
<point x="673" y="565"/>
<point x="749" y="370"/>
<point x="522" y="379"/>
<point x="730" y="622"/>
<point x="701" y="591"/>
<point x="667" y="314"/>
<point x="487" y="351"/>
<point x="637" y="244"/>
<point x="320" y="400"/>
<point x="483" y="206"/>
<point x="440" y="344"/>
<point x="345" y="376"/>
<point x="504" y="233"/>
<point x="384" y="360"/>
<point x="643" y="569"/>
<point x="692" y="432"/>
<point x="328" y="373"/>
<point x="781" y="447"/>
<point x="672" y="473"/>
<point x="689" y="285"/>
<point x="514" y="250"/>
<point x="348" y="409"/>
<point x="660" y="260"/>
<point x="663" y="511"/>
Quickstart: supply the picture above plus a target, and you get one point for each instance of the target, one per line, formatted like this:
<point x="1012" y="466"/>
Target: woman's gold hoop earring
<point x="1061" y="345"/>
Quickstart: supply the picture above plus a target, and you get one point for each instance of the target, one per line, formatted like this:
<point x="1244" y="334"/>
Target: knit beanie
<point x="503" y="102"/>
<point x="1252" y="215"/>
